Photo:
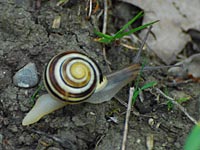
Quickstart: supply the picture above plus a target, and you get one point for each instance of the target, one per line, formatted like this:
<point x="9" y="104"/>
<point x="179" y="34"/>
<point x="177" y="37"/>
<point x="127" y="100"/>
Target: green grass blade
<point x="104" y="38"/>
<point x="35" y="94"/>
<point x="193" y="140"/>
<point x="140" y="14"/>
<point x="135" y="95"/>
<point x="101" y="35"/>
<point x="135" y="29"/>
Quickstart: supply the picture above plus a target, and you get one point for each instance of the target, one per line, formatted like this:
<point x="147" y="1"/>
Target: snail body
<point x="71" y="78"/>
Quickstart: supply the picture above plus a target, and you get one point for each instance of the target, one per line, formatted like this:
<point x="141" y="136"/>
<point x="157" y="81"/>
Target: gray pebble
<point x="26" y="77"/>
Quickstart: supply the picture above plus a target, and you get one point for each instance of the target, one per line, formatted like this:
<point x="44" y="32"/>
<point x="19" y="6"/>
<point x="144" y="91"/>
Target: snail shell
<point x="72" y="77"/>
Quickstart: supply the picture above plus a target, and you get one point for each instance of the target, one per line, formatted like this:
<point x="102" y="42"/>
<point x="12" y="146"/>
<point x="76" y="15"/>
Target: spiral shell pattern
<point x="72" y="77"/>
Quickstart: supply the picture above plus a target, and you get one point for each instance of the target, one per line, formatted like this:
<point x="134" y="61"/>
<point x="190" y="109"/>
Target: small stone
<point x="177" y="144"/>
<point x="151" y="122"/>
<point x="138" y="141"/>
<point x="26" y="77"/>
<point x="13" y="128"/>
<point x="5" y="121"/>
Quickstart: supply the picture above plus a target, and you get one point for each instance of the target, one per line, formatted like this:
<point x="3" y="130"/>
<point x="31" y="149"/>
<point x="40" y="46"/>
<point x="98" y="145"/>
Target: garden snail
<point x="72" y="77"/>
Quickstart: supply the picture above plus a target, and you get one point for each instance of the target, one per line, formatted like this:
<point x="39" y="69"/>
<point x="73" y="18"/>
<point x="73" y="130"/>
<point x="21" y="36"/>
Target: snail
<point x="72" y="77"/>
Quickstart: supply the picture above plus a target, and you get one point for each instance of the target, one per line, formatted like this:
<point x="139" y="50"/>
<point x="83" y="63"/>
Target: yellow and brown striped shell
<point x="72" y="77"/>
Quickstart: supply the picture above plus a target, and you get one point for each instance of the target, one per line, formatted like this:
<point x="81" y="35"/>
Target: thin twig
<point x="137" y="57"/>
<point x="90" y="9"/>
<point x="178" y="105"/>
<point x="105" y="17"/>
<point x="104" y="32"/>
<point x="128" y="112"/>
<point x="108" y="63"/>
<point x="121" y="101"/>
<point x="177" y="83"/>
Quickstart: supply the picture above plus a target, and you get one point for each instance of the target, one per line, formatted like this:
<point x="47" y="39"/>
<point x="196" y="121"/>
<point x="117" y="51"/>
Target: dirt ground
<point x="26" y="35"/>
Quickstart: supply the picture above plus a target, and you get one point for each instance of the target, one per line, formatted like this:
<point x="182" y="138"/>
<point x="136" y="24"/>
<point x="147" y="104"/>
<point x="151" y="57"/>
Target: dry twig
<point x="105" y="17"/>
<point x="137" y="57"/>
<point x="178" y="105"/>
<point x="104" y="32"/>
<point x="90" y="9"/>
<point x="131" y="91"/>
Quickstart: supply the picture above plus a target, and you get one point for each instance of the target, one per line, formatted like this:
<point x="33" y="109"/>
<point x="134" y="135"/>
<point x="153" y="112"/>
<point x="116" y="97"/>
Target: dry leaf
<point x="174" y="17"/>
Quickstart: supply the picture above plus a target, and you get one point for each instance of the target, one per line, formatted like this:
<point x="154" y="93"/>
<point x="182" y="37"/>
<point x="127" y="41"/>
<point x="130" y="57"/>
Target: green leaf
<point x="138" y="90"/>
<point x="140" y="14"/>
<point x="104" y="38"/>
<point x="35" y="94"/>
<point x="193" y="140"/>
<point x="148" y="85"/>
<point x="170" y="105"/>
<point x="103" y="35"/>
<point x="135" y="95"/>
<point x="136" y="29"/>
<point x="183" y="99"/>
